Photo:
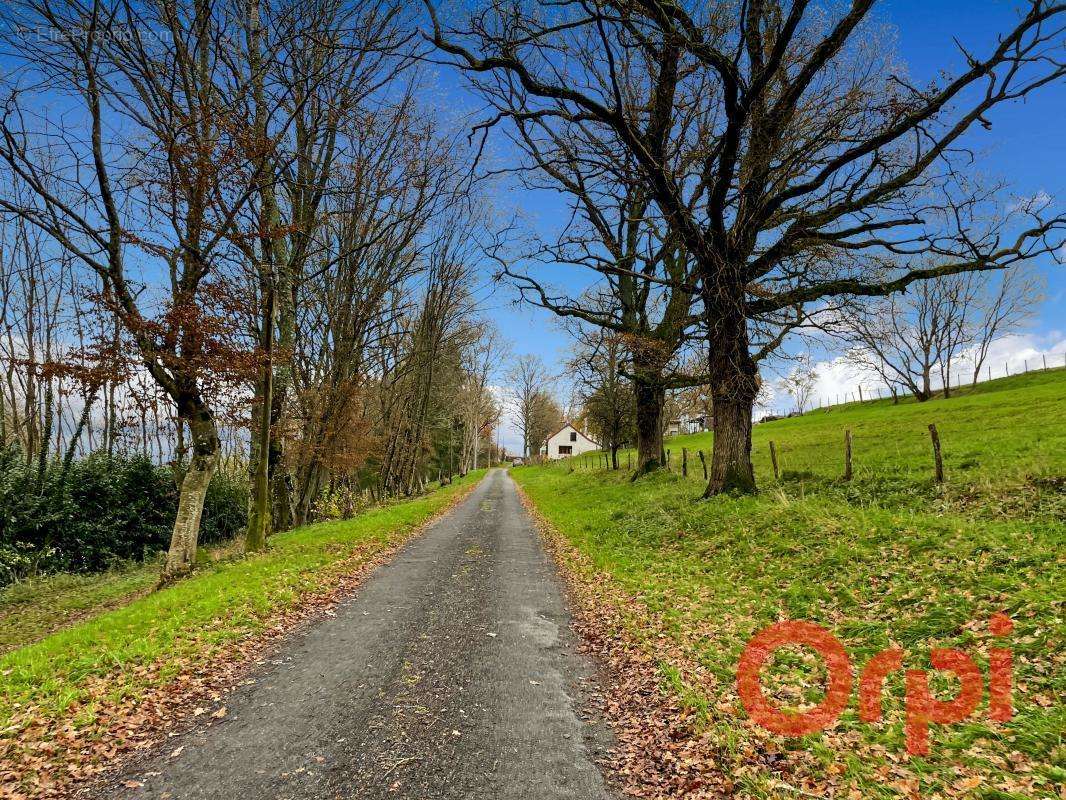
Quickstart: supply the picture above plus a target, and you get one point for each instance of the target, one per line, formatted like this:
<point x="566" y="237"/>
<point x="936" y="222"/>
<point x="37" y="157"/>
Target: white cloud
<point x="1033" y="204"/>
<point x="839" y="380"/>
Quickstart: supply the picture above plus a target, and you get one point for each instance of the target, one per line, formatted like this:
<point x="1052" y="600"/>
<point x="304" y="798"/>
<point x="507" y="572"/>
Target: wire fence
<point x="690" y="462"/>
<point x="782" y="458"/>
<point x="989" y="372"/>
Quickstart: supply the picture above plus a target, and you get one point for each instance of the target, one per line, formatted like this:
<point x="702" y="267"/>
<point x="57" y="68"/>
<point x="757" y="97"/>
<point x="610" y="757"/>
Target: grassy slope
<point x="33" y="609"/>
<point x="888" y="558"/>
<point x="190" y="621"/>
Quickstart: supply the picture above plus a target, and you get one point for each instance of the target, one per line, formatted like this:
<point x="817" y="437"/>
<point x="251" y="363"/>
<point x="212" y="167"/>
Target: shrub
<point x="103" y="510"/>
<point x="225" y="508"/>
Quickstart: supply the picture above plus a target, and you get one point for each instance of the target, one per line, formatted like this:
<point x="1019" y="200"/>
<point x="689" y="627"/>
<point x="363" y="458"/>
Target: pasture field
<point x="887" y="559"/>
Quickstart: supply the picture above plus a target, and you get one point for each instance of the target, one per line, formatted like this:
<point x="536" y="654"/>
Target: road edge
<point x="658" y="751"/>
<point x="188" y="699"/>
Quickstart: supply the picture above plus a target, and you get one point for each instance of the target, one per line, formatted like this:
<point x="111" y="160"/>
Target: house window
<point x="565" y="450"/>
<point x="573" y="436"/>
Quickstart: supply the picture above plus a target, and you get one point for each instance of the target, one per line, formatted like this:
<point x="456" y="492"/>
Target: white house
<point x="686" y="424"/>
<point x="569" y="441"/>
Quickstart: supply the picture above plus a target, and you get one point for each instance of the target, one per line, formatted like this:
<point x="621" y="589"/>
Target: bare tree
<point x="536" y="411"/>
<point x="801" y="380"/>
<point x="162" y="196"/>
<point x="907" y="338"/>
<point x="607" y="398"/>
<point x="334" y="66"/>
<point x="1002" y="307"/>
<point x="478" y="408"/>
<point x="820" y="158"/>
<point x="643" y="295"/>
<point x="939" y="325"/>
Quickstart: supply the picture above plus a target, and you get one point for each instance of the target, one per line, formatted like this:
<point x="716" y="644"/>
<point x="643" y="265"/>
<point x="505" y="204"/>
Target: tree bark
<point x="734" y="385"/>
<point x="260" y="513"/>
<point x="182" y="554"/>
<point x="731" y="468"/>
<point x="306" y="488"/>
<point x="650" y="399"/>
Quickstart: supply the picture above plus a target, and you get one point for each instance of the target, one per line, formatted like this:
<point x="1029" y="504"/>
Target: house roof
<point x="579" y="433"/>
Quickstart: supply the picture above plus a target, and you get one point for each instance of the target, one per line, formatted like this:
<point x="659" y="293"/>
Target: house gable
<point x="566" y="440"/>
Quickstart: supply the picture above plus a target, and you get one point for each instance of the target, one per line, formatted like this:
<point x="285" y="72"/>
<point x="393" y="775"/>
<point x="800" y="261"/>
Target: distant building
<point x="568" y="441"/>
<point x="686" y="424"/>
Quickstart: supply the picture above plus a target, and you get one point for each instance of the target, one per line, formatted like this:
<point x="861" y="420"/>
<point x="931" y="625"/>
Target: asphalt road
<point x="451" y="674"/>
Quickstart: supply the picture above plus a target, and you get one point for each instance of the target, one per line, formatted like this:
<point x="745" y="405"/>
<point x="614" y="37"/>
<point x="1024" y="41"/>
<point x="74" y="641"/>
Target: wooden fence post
<point x="847" y="455"/>
<point x="938" y="459"/>
<point x="684" y="462"/>
<point x="667" y="459"/>
<point x="629" y="459"/>
<point x="773" y="459"/>
<point x="703" y="461"/>
<point x="860" y="392"/>
<point x="1044" y="357"/>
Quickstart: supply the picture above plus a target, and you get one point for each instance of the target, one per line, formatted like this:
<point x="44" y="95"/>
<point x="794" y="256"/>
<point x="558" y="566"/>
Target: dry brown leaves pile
<point x="43" y="757"/>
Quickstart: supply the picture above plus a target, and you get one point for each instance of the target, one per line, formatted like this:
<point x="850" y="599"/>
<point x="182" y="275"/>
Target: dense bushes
<point x="102" y="510"/>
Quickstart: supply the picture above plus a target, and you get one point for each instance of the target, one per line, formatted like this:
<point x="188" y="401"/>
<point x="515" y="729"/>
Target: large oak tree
<point x="823" y="167"/>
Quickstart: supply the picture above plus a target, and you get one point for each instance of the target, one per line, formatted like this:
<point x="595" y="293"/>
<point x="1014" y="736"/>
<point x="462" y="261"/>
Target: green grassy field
<point x="32" y="609"/>
<point x="117" y="656"/>
<point x="887" y="559"/>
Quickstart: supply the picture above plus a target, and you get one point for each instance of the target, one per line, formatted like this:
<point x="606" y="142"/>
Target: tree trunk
<point x="309" y="486"/>
<point x="650" y="399"/>
<point x="281" y="381"/>
<point x="614" y="458"/>
<point x="731" y="468"/>
<point x="734" y="380"/>
<point x="182" y="554"/>
<point x="260" y="510"/>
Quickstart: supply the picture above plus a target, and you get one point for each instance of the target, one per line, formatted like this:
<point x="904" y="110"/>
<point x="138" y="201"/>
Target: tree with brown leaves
<point x="143" y="190"/>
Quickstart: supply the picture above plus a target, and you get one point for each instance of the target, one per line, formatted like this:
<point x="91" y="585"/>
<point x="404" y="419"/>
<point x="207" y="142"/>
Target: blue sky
<point x="1026" y="146"/>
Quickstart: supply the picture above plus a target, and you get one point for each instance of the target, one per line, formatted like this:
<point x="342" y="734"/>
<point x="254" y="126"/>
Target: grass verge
<point x="31" y="610"/>
<point x="888" y="559"/>
<point x="75" y="700"/>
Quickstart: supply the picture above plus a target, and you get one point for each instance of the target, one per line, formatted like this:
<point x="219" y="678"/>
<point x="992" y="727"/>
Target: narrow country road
<point x="451" y="674"/>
